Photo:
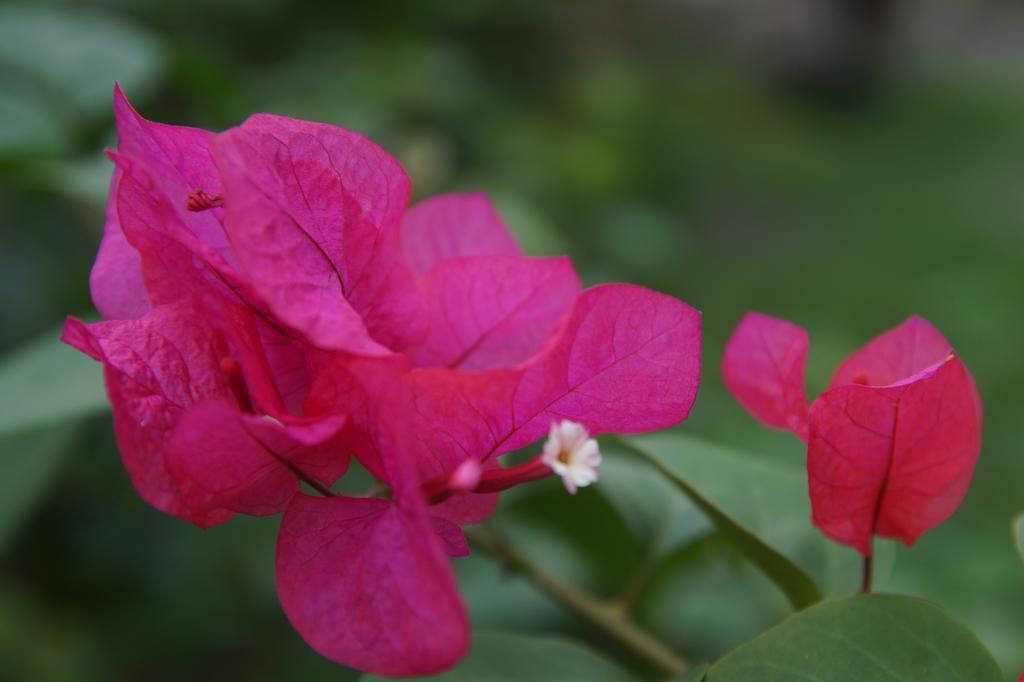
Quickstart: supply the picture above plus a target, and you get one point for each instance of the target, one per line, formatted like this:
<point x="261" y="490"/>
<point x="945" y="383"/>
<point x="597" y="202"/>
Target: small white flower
<point x="572" y="454"/>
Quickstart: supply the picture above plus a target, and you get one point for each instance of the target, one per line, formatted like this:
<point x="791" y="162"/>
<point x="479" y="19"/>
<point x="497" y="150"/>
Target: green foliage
<point x="868" y="638"/>
<point x="1018" y="535"/>
<point x="47" y="383"/>
<point x="57" y="66"/>
<point x="28" y="462"/>
<point x="504" y="657"/>
<point x="45" y="388"/>
<point x="695" y="674"/>
<point x="658" y="513"/>
<point x="727" y="489"/>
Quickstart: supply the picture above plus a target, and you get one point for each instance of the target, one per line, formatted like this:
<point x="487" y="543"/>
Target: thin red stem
<point x="496" y="480"/>
<point x="869" y="562"/>
<point x="491" y="481"/>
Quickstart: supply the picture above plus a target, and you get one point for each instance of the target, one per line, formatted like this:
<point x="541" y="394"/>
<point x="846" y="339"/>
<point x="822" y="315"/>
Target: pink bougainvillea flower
<point x="624" y="359"/>
<point x="366" y="581"/>
<point x="272" y="306"/>
<point x="892" y="443"/>
<point x="202" y="432"/>
<point x="453" y="225"/>
<point x="327" y="200"/>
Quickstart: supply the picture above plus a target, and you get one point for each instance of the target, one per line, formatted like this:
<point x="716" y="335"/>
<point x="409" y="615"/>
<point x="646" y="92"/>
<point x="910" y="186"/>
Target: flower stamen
<point x="198" y="200"/>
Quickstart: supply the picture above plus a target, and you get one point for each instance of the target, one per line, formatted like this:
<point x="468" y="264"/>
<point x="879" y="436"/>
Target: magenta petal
<point x="116" y="282"/>
<point x="452" y="540"/>
<point x="893" y="460"/>
<point x="178" y="158"/>
<point x="466" y="508"/>
<point x="170" y="270"/>
<point x="155" y="368"/>
<point x="224" y="460"/>
<point x="178" y="412"/>
<point x="374" y="395"/>
<point x="626" y="361"/>
<point x="897" y="354"/>
<point x="288" y="365"/>
<point x="177" y="268"/>
<point x="328" y="201"/>
<point x="175" y="265"/>
<point x="763" y="368"/>
<point x="366" y="584"/>
<point x="453" y="225"/>
<point x="245" y="333"/>
<point x="492" y="311"/>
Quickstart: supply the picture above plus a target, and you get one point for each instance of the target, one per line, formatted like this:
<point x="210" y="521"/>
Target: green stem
<point x="608" y="618"/>
<point x="642" y="575"/>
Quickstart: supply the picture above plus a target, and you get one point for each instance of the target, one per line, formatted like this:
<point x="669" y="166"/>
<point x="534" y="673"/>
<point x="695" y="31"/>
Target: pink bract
<point x="893" y="442"/>
<point x="187" y="435"/>
<point x="763" y="367"/>
<point x="445" y="227"/>
<point x="273" y="305"/>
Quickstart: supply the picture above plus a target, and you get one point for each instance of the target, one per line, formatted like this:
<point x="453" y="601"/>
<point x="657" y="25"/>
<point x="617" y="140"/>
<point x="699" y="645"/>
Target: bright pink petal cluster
<point x="272" y="306"/>
<point x="892" y="443"/>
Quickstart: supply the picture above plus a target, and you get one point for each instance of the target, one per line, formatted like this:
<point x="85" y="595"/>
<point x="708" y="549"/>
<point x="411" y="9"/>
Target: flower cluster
<point x="272" y="307"/>
<point x="892" y="443"/>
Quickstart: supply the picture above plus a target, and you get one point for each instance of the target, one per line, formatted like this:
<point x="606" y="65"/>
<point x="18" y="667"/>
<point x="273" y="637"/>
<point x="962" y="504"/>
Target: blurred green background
<point x="840" y="164"/>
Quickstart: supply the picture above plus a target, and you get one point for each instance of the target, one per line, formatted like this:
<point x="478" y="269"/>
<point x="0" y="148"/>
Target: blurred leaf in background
<point x="57" y="66"/>
<point x="908" y="639"/>
<point x="497" y="657"/>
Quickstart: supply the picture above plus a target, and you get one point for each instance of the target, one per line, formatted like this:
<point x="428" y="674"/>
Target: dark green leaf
<point x="27" y="124"/>
<point x="868" y="638"/>
<point x="75" y="56"/>
<point x="1018" y="535"/>
<point x="47" y="382"/>
<point x="703" y="471"/>
<point x="649" y="503"/>
<point x="497" y="657"/>
<point x="28" y="462"/>
<point x="695" y="674"/>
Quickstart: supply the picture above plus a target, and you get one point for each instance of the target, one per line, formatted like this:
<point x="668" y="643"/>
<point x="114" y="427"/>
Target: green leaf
<point x="694" y="674"/>
<point x="497" y="657"/>
<point x="650" y="505"/>
<point x="46" y="388"/>
<point x="28" y="462"/>
<point x="27" y="123"/>
<point x="1018" y="535"/>
<point x="47" y="382"/>
<point x="867" y="638"/>
<point x="75" y="55"/>
<point x="709" y="475"/>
